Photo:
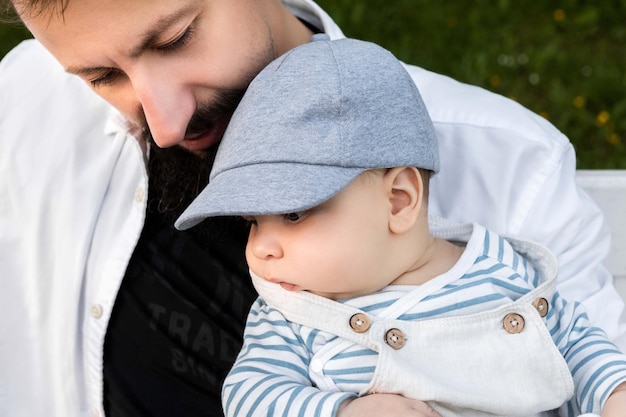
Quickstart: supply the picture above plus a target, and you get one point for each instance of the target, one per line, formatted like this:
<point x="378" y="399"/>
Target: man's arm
<point x="513" y="171"/>
<point x="570" y="223"/>
<point x="615" y="406"/>
<point x="376" y="405"/>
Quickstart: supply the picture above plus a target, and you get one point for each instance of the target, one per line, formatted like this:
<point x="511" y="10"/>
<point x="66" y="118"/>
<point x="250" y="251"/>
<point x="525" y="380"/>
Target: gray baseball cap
<point x="310" y="123"/>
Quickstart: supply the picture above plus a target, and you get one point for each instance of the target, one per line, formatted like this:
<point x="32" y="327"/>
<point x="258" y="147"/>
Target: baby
<point x="329" y="157"/>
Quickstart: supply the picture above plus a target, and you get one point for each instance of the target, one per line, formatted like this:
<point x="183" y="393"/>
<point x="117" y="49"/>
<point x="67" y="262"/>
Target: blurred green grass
<point x="562" y="59"/>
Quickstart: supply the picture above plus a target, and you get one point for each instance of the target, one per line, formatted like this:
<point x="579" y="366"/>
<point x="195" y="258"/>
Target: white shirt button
<point x="96" y="312"/>
<point x="317" y="366"/>
<point x="139" y="194"/>
<point x="94" y="413"/>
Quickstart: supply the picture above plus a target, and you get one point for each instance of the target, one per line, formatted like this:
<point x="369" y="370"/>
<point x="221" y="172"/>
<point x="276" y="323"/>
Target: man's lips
<point x="204" y="140"/>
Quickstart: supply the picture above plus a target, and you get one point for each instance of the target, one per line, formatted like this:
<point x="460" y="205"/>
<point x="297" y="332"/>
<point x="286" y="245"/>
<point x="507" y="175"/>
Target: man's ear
<point x="405" y="190"/>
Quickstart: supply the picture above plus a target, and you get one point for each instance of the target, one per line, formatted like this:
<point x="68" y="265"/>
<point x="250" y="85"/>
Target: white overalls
<point x="498" y="362"/>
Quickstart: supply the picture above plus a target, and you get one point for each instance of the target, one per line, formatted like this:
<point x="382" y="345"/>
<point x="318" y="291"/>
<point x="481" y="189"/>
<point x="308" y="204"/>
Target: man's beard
<point x="177" y="175"/>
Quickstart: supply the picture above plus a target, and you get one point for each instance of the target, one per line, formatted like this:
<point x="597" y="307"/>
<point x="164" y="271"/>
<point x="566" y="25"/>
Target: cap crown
<point x="345" y="103"/>
<point x="311" y="122"/>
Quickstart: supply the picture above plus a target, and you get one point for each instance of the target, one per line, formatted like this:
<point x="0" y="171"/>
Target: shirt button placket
<point x="139" y="193"/>
<point x="96" y="310"/>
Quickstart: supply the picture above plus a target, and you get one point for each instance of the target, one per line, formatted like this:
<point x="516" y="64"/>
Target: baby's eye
<point x="295" y="216"/>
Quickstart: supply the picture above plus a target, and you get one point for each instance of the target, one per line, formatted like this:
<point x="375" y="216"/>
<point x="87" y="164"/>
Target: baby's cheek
<point x="250" y="258"/>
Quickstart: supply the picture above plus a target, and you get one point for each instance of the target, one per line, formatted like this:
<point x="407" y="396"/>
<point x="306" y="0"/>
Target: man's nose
<point x="166" y="106"/>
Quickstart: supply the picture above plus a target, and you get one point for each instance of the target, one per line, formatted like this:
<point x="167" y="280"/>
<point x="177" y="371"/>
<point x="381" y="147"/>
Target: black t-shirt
<point x="177" y="322"/>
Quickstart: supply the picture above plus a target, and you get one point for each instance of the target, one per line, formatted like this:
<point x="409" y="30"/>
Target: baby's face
<point x="336" y="250"/>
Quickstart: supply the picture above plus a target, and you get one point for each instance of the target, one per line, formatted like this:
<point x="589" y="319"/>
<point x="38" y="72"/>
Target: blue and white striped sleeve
<point x="596" y="364"/>
<point x="270" y="376"/>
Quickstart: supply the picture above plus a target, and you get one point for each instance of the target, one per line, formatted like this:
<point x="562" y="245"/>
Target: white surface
<point x="608" y="189"/>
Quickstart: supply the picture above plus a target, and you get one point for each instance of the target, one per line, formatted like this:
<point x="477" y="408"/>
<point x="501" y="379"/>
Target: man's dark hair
<point x="30" y="8"/>
<point x="7" y="12"/>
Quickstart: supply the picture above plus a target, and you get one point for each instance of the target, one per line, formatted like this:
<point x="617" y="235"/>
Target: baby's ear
<point x="405" y="191"/>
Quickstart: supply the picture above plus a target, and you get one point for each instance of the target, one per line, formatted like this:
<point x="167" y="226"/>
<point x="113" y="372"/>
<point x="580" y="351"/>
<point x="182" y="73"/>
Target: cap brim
<point x="266" y="189"/>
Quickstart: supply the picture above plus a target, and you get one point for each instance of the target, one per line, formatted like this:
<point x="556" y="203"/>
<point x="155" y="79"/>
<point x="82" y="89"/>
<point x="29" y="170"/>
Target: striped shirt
<point x="278" y="372"/>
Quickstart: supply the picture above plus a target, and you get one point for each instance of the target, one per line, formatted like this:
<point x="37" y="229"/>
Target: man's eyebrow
<point x="85" y="71"/>
<point x="147" y="39"/>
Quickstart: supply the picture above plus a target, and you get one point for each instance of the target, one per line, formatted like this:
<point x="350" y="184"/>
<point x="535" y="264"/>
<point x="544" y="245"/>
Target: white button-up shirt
<point x="73" y="189"/>
<point x="72" y="206"/>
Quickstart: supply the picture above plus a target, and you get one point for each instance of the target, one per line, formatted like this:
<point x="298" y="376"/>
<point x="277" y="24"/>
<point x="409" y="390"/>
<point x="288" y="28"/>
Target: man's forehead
<point x="88" y="27"/>
<point x="140" y="13"/>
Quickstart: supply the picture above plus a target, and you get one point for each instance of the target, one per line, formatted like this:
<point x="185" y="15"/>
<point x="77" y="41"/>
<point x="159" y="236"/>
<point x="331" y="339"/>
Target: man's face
<point x="177" y="68"/>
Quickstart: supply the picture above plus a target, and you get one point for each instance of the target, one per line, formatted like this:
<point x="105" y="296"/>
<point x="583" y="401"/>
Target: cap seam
<point x="342" y="105"/>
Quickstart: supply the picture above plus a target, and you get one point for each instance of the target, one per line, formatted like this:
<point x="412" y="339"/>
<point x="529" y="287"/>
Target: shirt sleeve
<point x="596" y="364"/>
<point x="566" y="220"/>
<point x="513" y="171"/>
<point x="270" y="376"/>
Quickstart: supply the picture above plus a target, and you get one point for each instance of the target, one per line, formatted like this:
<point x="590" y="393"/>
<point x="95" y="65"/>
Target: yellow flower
<point x="614" y="139"/>
<point x="602" y="118"/>
<point x="579" y="102"/>
<point x="559" y="15"/>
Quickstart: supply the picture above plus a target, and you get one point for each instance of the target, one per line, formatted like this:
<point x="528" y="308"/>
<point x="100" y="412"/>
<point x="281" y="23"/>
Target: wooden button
<point x="542" y="306"/>
<point x="513" y="323"/>
<point x="360" y="323"/>
<point x="395" y="338"/>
